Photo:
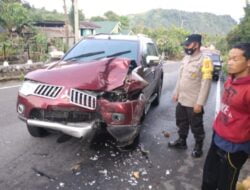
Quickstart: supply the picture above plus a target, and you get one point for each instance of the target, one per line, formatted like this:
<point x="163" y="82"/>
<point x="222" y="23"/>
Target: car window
<point x="151" y="50"/>
<point x="214" y="57"/>
<point x="93" y="49"/>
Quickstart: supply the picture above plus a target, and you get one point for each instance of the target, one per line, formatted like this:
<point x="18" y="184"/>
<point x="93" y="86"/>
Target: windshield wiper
<point x="85" y="55"/>
<point x="114" y="54"/>
<point x="119" y="53"/>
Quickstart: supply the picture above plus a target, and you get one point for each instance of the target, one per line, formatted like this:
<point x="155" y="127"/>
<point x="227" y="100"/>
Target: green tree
<point x="241" y="33"/>
<point x="97" y="18"/>
<point x="110" y="15"/>
<point x="42" y="14"/>
<point x="168" y="40"/>
<point x="14" y="17"/>
<point x="124" y="22"/>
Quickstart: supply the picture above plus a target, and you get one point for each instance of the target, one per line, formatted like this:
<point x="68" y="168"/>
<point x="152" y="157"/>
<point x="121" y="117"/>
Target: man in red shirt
<point x="230" y="145"/>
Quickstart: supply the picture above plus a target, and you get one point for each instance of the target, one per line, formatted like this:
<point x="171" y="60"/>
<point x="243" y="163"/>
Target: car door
<point x="149" y="71"/>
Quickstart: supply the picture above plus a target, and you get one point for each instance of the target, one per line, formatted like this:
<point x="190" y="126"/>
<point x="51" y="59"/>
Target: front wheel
<point x="37" y="131"/>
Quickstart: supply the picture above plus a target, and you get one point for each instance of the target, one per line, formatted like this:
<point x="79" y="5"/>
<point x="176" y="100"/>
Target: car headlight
<point x="28" y="88"/>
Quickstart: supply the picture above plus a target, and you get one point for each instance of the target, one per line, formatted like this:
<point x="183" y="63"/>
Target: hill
<point x="192" y="21"/>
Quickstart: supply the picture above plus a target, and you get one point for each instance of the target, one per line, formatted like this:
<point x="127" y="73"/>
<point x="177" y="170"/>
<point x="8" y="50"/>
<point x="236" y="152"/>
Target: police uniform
<point x="192" y="88"/>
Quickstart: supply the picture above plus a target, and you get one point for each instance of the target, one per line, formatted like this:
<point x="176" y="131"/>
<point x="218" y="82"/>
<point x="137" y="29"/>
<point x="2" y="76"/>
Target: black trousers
<point x="186" y="117"/>
<point x="221" y="169"/>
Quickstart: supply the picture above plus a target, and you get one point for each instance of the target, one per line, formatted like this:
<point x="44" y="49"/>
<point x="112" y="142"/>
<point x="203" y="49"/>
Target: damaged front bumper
<point x="124" y="135"/>
<point x="76" y="130"/>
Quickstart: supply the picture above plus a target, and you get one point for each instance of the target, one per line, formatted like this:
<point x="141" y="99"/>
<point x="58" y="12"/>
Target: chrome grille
<point x="48" y="91"/>
<point x="83" y="99"/>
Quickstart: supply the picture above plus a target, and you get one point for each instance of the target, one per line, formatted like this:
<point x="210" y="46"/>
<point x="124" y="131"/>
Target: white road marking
<point x="218" y="98"/>
<point x="7" y="87"/>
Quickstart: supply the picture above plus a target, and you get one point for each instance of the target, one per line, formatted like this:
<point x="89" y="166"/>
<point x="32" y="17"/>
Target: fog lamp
<point x="20" y="108"/>
<point x="118" y="117"/>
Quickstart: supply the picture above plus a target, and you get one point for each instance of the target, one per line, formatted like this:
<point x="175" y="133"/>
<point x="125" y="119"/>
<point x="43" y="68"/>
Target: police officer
<point x="191" y="92"/>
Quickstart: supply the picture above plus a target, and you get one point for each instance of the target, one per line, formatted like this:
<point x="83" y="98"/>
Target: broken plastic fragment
<point x="94" y="158"/>
<point x="136" y="175"/>
<point x="92" y="183"/>
<point x="104" y="172"/>
<point x="166" y="134"/>
<point x="167" y="172"/>
<point x="61" y="184"/>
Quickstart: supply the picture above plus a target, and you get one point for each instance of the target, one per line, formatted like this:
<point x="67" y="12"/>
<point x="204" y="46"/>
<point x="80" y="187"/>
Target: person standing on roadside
<point x="230" y="145"/>
<point x="191" y="92"/>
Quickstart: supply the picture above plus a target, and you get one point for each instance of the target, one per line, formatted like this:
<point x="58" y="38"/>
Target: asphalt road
<point x="28" y="163"/>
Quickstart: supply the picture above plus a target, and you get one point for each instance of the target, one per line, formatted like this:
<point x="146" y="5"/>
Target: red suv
<point x="103" y="81"/>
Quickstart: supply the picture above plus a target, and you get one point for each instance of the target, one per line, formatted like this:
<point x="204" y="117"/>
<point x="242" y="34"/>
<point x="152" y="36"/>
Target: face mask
<point x="189" y="51"/>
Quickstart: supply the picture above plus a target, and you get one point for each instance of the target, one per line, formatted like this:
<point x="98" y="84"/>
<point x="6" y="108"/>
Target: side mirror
<point x="152" y="60"/>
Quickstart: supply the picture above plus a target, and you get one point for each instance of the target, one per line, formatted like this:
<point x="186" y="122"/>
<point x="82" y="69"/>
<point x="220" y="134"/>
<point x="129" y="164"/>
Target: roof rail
<point x="142" y="35"/>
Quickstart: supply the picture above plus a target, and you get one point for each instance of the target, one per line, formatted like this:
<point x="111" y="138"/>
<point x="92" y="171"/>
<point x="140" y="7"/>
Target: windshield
<point x="89" y="50"/>
<point x="215" y="57"/>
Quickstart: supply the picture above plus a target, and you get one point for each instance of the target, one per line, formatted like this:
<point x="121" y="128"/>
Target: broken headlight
<point x="115" y="96"/>
<point x="28" y="88"/>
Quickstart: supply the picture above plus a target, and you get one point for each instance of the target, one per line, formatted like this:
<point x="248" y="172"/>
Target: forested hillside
<point x="191" y="21"/>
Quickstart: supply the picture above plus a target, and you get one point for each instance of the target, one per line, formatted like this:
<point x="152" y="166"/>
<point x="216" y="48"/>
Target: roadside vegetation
<point x="21" y="40"/>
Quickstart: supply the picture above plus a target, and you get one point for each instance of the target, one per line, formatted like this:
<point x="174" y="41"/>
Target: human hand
<point x="175" y="98"/>
<point x="197" y="108"/>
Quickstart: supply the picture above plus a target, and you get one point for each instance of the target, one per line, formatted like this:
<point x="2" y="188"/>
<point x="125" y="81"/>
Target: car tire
<point x="37" y="131"/>
<point x="216" y="78"/>
<point x="156" y="101"/>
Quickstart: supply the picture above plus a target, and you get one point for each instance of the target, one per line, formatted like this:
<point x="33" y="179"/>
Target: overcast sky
<point x="98" y="7"/>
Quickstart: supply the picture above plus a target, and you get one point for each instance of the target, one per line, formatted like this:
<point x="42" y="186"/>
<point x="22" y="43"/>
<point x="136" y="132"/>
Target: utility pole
<point x="76" y="20"/>
<point x="66" y="22"/>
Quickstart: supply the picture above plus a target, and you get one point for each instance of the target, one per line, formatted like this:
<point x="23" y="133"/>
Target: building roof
<point x="106" y="27"/>
<point x="88" y="25"/>
<point x="49" y="23"/>
<point x="55" y="32"/>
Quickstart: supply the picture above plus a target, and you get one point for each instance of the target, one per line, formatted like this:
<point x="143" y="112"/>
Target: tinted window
<point x="97" y="49"/>
<point x="215" y="57"/>
<point x="151" y="50"/>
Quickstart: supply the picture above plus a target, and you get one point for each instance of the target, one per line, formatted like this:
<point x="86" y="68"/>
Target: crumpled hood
<point x="101" y="75"/>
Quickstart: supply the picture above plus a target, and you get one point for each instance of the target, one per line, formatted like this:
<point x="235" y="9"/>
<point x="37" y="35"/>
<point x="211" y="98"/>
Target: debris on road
<point x="136" y="174"/>
<point x="143" y="151"/>
<point x="104" y="172"/>
<point x="61" y="184"/>
<point x="40" y="173"/>
<point x="94" y="158"/>
<point x="166" y="134"/>
<point x="41" y="154"/>
<point x="168" y="172"/>
<point x="76" y="168"/>
<point x="92" y="182"/>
